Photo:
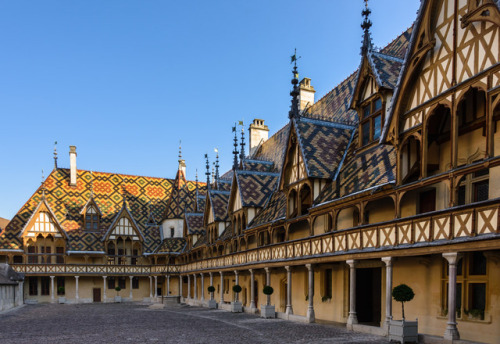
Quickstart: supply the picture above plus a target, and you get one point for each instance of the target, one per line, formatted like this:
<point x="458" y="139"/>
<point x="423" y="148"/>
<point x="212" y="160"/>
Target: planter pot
<point x="403" y="331"/>
<point x="61" y="300"/>
<point x="212" y="304"/>
<point x="236" y="307"/>
<point x="118" y="299"/>
<point x="267" y="311"/>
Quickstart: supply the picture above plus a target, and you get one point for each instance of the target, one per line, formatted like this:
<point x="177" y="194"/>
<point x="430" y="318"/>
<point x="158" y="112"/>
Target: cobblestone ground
<point x="137" y="323"/>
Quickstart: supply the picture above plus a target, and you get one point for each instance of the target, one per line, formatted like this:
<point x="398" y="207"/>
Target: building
<point x="392" y="177"/>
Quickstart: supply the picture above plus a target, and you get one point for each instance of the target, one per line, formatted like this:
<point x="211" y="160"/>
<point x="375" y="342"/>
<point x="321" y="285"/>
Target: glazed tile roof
<point x="202" y="240"/>
<point x="258" y="165"/>
<point x="219" y="201"/>
<point x="273" y="150"/>
<point x="171" y="245"/>
<point x="194" y="222"/>
<point x="387" y="69"/>
<point x="274" y="210"/>
<point x="399" y="45"/>
<point x="227" y="234"/>
<point x="323" y="145"/>
<point x="143" y="194"/>
<point x="182" y="198"/>
<point x="223" y="184"/>
<point x="255" y="187"/>
<point x="3" y="223"/>
<point x="201" y="201"/>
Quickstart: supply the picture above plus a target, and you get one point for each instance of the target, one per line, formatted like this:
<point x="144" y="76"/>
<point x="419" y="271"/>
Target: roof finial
<point x="91" y="184"/>
<point x="43" y="185"/>
<point x="216" y="163"/>
<point x="196" y="183"/>
<point x="242" y="144"/>
<point x="294" y="109"/>
<point x="55" y="155"/>
<point x="180" y="150"/>
<point x="366" y="25"/>
<point x="213" y="172"/>
<point x="235" y="151"/>
<point x="207" y="173"/>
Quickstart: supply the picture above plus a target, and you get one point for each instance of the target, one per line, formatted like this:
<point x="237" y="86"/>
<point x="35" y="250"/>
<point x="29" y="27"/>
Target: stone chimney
<point x="182" y="167"/>
<point x="306" y="94"/>
<point x="72" y="165"/>
<point x="259" y="132"/>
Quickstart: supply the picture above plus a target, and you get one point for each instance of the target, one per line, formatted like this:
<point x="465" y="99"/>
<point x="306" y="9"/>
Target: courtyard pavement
<point x="138" y="323"/>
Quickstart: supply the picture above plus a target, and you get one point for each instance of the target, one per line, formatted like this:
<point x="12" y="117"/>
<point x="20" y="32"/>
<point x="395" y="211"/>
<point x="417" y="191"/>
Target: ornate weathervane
<point x="294" y="109"/>
<point x="366" y="25"/>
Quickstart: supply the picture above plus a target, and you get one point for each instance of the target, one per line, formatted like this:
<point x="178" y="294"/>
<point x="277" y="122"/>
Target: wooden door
<point x="97" y="294"/>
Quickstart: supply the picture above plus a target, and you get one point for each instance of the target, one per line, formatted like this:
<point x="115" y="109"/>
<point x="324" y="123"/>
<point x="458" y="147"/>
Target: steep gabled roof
<point x="258" y="165"/>
<point x="274" y="210"/>
<point x="194" y="223"/>
<point x="218" y="201"/>
<point x="182" y="197"/>
<point x="255" y="187"/>
<point x="124" y="212"/>
<point x="171" y="246"/>
<point x="273" y="150"/>
<point x="322" y="145"/>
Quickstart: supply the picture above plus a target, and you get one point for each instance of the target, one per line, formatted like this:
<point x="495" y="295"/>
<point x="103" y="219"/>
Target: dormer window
<point x="91" y="219"/>
<point x="371" y="121"/>
<point x="172" y="232"/>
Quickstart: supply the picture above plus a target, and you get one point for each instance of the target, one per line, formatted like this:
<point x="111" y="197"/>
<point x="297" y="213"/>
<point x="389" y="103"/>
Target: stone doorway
<point x="97" y="294"/>
<point x="368" y="295"/>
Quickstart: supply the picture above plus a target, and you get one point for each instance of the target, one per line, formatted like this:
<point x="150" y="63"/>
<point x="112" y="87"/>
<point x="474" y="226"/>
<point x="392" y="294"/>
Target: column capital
<point x="387" y="261"/>
<point x="352" y="263"/>
<point x="130" y="277"/>
<point x="309" y="267"/>
<point x="221" y="272"/>
<point x="201" y="274"/>
<point x="251" y="271"/>
<point x="236" y="272"/>
<point x="267" y="269"/>
<point x="52" y="277"/>
<point x="452" y="257"/>
<point x="287" y="268"/>
<point x="77" y="277"/>
<point x="210" y="273"/>
<point x="104" y="277"/>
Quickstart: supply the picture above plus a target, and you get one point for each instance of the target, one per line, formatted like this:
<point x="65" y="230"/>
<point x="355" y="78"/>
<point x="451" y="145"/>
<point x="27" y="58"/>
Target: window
<point x="474" y="188"/>
<point x="60" y="283"/>
<point x="111" y="283"/>
<point x="33" y="285"/>
<point x="32" y="258"/>
<point x="371" y="121"/>
<point x="172" y="232"/>
<point x="327" y="284"/>
<point x="472" y="282"/>
<point x="45" y="285"/>
<point x="91" y="219"/>
<point x="133" y="261"/>
<point x="18" y="259"/>
<point x="121" y="282"/>
<point x="427" y="201"/>
<point x="135" y="283"/>
<point x="60" y="255"/>
<point x="47" y="258"/>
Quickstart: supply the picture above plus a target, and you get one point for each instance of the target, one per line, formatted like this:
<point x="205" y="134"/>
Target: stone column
<point x="202" y="287"/>
<point x="289" y="309"/>
<point x="211" y="283"/>
<point x="195" y="287"/>
<point x="189" y="287"/>
<point x="268" y="282"/>
<point x="451" y="332"/>
<point x="180" y="286"/>
<point x="77" y="297"/>
<point x="104" y="288"/>
<point x="221" y="287"/>
<point x="150" y="288"/>
<point x="237" y="279"/>
<point x="353" y="318"/>
<point x="156" y="286"/>
<point x="131" y="295"/>
<point x="168" y="285"/>
<point x="52" y="297"/>
<point x="252" y="290"/>
<point x="311" y="317"/>
<point x="20" y="298"/>
<point x="388" y="292"/>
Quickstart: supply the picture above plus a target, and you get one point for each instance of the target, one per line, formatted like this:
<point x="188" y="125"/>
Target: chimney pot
<point x="306" y="94"/>
<point x="258" y="133"/>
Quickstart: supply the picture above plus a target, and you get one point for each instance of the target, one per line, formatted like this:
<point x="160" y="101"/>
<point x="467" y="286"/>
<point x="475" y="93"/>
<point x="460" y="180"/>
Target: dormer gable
<point x="43" y="222"/>
<point x="91" y="215"/>
<point x="294" y="168"/>
<point x="124" y="225"/>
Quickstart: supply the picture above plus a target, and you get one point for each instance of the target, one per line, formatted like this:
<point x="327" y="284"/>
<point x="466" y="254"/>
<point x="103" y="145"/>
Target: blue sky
<point x="124" y="81"/>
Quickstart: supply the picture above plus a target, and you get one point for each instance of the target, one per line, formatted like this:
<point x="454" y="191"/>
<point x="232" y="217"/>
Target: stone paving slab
<point x="139" y="323"/>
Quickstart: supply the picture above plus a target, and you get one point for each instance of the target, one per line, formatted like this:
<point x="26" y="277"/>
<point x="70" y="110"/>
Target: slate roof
<point x="258" y="165"/>
<point x="219" y="201"/>
<point x="227" y="234"/>
<point x="273" y="150"/>
<point x="274" y="210"/>
<point x="387" y="69"/>
<point x="202" y="240"/>
<point x="201" y="201"/>
<point x="194" y="222"/>
<point x="223" y="184"/>
<point x="171" y="245"/>
<point x="142" y="194"/>
<point x="399" y="45"/>
<point x="255" y="187"/>
<point x="323" y="145"/>
<point x="182" y="198"/>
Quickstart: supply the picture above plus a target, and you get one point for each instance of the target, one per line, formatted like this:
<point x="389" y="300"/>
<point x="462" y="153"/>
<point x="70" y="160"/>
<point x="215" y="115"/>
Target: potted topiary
<point x="211" y="303"/>
<point x="118" y="298"/>
<point x="402" y="330"/>
<point x="267" y="310"/>
<point x="60" y="292"/>
<point x="236" y="306"/>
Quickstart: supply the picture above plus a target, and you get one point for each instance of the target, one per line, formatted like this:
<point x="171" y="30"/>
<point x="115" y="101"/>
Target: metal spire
<point x="207" y="173"/>
<point x="366" y="25"/>
<point x="55" y="155"/>
<point x="213" y="172"/>
<point x="43" y="185"/>
<point x="91" y="184"/>
<point x="180" y="150"/>
<point x="294" y="109"/>
<point x="235" y="151"/>
<point x="216" y="163"/>
<point x="242" y="144"/>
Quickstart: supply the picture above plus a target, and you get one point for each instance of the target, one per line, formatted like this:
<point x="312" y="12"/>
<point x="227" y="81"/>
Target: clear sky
<point x="124" y="81"/>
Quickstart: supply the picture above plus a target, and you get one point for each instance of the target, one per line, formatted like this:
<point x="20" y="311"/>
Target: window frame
<point x="469" y="183"/>
<point x="370" y="119"/>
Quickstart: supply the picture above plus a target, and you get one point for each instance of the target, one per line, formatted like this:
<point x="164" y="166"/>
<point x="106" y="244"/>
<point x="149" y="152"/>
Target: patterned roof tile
<point x="194" y="222"/>
<point x="219" y="201"/>
<point x="256" y="187"/>
<point x="171" y="245"/>
<point x="273" y="211"/>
